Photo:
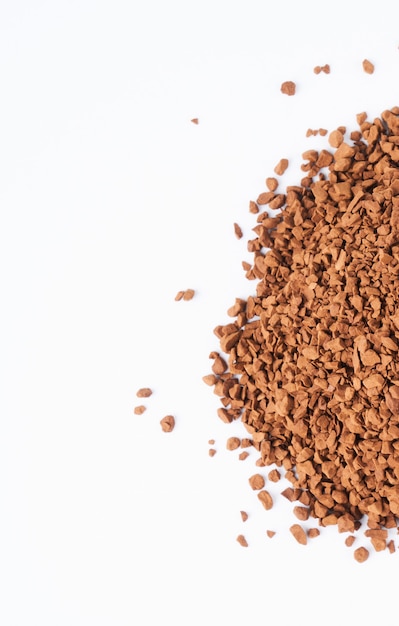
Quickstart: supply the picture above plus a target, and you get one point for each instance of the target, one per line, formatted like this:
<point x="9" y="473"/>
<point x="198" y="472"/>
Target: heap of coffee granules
<point x="310" y="362"/>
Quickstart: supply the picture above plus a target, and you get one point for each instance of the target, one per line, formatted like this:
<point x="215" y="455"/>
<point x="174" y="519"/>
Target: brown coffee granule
<point x="271" y="183"/>
<point x="211" y="442"/>
<point x="211" y="452"/>
<point x="270" y="533"/>
<point x="253" y="207"/>
<point x="195" y="120"/>
<point x="323" y="131"/>
<point x="299" y="534"/>
<point x="335" y="138"/>
<point x="317" y="69"/>
<point x="244" y="516"/>
<point x="167" y="423"/>
<point x="391" y="546"/>
<point x="242" y="541"/>
<point x="243" y="455"/>
<point x="368" y="66"/>
<point x="139" y="410"/>
<point x="279" y="170"/>
<point x="274" y="476"/>
<point x="361" y="554"/>
<point x="237" y="231"/>
<point x="233" y="443"/>
<point x="246" y="442"/>
<point x="350" y="540"/>
<point x="188" y="294"/>
<point x="313" y="532"/>
<point x="266" y="499"/>
<point x="256" y="482"/>
<point x="179" y="296"/>
<point x="288" y="88"/>
<point x="144" y="392"/>
<point x="301" y="512"/>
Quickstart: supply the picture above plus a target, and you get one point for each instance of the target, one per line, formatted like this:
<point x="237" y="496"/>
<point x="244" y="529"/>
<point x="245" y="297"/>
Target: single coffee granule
<point x="274" y="476"/>
<point x="279" y="170"/>
<point x="299" y="534"/>
<point x="144" y="392"/>
<point x="323" y="131"/>
<point x="301" y="512"/>
<point x="211" y="442"/>
<point x="313" y="532"/>
<point x="243" y="455"/>
<point x="195" y="120"/>
<point x="361" y="554"/>
<point x="288" y="88"/>
<point x="270" y="533"/>
<point x="266" y="499"/>
<point x="253" y="207"/>
<point x="244" y="516"/>
<point x="242" y="541"/>
<point x="233" y="443"/>
<point x="211" y="452"/>
<point x="391" y="546"/>
<point x="368" y="66"/>
<point x="256" y="482"/>
<point x="271" y="183"/>
<point x="167" y="423"/>
<point x="188" y="294"/>
<point x="179" y="296"/>
<point x="237" y="231"/>
<point x="350" y="540"/>
<point x="139" y="410"/>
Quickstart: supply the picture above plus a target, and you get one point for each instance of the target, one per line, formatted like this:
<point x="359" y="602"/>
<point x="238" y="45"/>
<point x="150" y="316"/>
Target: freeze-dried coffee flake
<point x="179" y="296"/>
<point x="167" y="423"/>
<point x="274" y="475"/>
<point x="391" y="546"/>
<point x="368" y="66"/>
<point x="323" y="132"/>
<point x="253" y="207"/>
<point x="335" y="138"/>
<point x="288" y="88"/>
<point x="211" y="452"/>
<point x="242" y="541"/>
<point x="233" y="443"/>
<point x="256" y="482"/>
<point x="237" y="231"/>
<point x="243" y="455"/>
<point x="313" y="532"/>
<point x="266" y="499"/>
<point x="270" y="533"/>
<point x="188" y="294"/>
<point x="361" y="554"/>
<point x="281" y="167"/>
<point x="244" y="516"/>
<point x="139" y="410"/>
<point x="301" y="512"/>
<point x="271" y="183"/>
<point x="144" y="392"/>
<point x="299" y="534"/>
<point x="211" y="442"/>
<point x="350" y="540"/>
<point x="195" y="120"/>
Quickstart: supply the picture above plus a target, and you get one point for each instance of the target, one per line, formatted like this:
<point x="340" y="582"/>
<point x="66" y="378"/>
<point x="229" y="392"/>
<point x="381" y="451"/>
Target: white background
<point x="111" y="201"/>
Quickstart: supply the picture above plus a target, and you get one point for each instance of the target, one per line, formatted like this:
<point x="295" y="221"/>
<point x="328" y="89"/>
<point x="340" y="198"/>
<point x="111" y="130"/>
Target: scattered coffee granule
<point x="237" y="231"/>
<point x="188" y="294"/>
<point x="270" y="533"/>
<point x="144" y="392"/>
<point x="139" y="410"/>
<point x="281" y="167"/>
<point x="322" y="68"/>
<point x="274" y="476"/>
<point x="244" y="516"/>
<point x="301" y="512"/>
<point x="253" y="207"/>
<point x="167" y="423"/>
<point x="243" y="455"/>
<point x="211" y="451"/>
<point x="256" y="482"/>
<point x="242" y="541"/>
<point x="313" y="532"/>
<point x="335" y="138"/>
<point x="323" y="131"/>
<point x="266" y="499"/>
<point x="391" y="546"/>
<point x="350" y="540"/>
<point x="195" y="120"/>
<point x="368" y="66"/>
<point x="271" y="183"/>
<point x="179" y="296"/>
<point x="211" y="442"/>
<point x="312" y="360"/>
<point x="246" y="442"/>
<point x="288" y="88"/>
<point x="361" y="554"/>
<point x="233" y="443"/>
<point x="299" y="534"/>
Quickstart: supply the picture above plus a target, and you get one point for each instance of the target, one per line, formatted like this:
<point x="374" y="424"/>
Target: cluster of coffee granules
<point x="310" y="362"/>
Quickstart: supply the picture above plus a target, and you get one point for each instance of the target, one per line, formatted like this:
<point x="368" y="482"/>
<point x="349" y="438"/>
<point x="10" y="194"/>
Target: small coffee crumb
<point x="139" y="410"/>
<point x="271" y="183"/>
<point x="274" y="475"/>
<point x="253" y="207"/>
<point x="242" y="541"/>
<point x="167" y="423"/>
<point x="361" y="554"/>
<point x="281" y="167"/>
<point x="211" y="451"/>
<point x="179" y="296"/>
<point x="244" y="516"/>
<point x="313" y="532"/>
<point x="237" y="231"/>
<point x="317" y="69"/>
<point x="350" y="540"/>
<point x="211" y="442"/>
<point x="144" y="392"/>
<point x="266" y="499"/>
<point x="368" y="66"/>
<point x="301" y="512"/>
<point x="210" y="379"/>
<point x="323" y="132"/>
<point x="288" y="88"/>
<point x="256" y="482"/>
<point x="246" y="442"/>
<point x="243" y="455"/>
<point x="270" y="533"/>
<point x="391" y="546"/>
<point x="232" y="443"/>
<point x="299" y="534"/>
<point x="188" y="294"/>
<point x="195" y="120"/>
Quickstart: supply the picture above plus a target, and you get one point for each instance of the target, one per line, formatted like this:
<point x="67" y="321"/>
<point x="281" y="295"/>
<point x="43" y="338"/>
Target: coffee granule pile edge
<point x="309" y="364"/>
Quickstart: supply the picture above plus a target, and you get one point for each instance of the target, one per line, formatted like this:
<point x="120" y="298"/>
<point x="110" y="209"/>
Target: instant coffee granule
<point x="309" y="363"/>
